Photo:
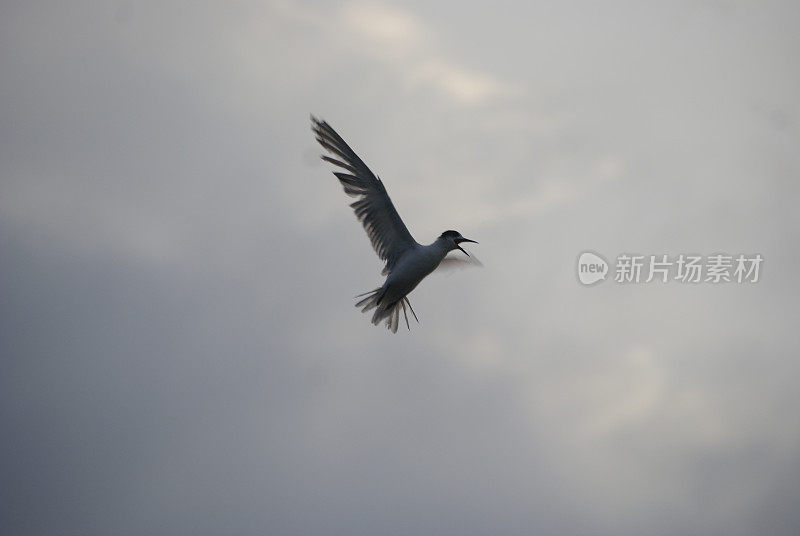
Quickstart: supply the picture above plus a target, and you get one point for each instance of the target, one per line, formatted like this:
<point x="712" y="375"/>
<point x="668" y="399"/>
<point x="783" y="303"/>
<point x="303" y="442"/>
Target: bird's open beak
<point x="460" y="240"/>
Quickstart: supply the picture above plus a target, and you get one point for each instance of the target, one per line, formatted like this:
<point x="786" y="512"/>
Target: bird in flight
<point x="407" y="261"/>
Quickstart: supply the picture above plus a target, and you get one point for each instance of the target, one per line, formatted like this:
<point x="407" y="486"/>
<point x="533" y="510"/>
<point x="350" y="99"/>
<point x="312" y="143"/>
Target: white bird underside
<point x="407" y="261"/>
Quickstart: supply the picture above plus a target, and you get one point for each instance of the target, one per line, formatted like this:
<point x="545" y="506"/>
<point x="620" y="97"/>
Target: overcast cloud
<point x="180" y="353"/>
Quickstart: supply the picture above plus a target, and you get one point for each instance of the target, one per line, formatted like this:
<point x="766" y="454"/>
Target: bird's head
<point x="452" y="239"/>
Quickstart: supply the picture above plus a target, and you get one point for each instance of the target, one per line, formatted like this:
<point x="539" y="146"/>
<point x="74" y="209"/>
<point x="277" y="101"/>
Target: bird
<point x="407" y="261"/>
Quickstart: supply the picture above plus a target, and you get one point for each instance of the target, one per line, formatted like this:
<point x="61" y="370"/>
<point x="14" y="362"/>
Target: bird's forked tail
<point x="390" y="312"/>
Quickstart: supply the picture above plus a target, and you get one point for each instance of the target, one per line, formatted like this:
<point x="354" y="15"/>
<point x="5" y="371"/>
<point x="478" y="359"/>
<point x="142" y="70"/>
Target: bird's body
<point x="412" y="268"/>
<point x="407" y="261"/>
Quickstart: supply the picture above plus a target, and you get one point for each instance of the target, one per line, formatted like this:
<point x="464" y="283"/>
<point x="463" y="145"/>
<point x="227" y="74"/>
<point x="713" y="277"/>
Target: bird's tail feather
<point x="390" y="312"/>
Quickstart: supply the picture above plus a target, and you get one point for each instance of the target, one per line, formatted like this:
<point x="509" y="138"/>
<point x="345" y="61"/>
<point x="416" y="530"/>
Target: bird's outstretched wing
<point x="387" y="232"/>
<point x="457" y="261"/>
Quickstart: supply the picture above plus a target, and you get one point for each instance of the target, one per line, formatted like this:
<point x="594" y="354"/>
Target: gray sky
<point x="180" y="351"/>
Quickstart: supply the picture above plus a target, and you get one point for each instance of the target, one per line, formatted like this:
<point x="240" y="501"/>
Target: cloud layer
<point x="179" y="349"/>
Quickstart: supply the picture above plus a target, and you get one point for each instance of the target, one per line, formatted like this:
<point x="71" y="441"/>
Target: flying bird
<point x="407" y="261"/>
